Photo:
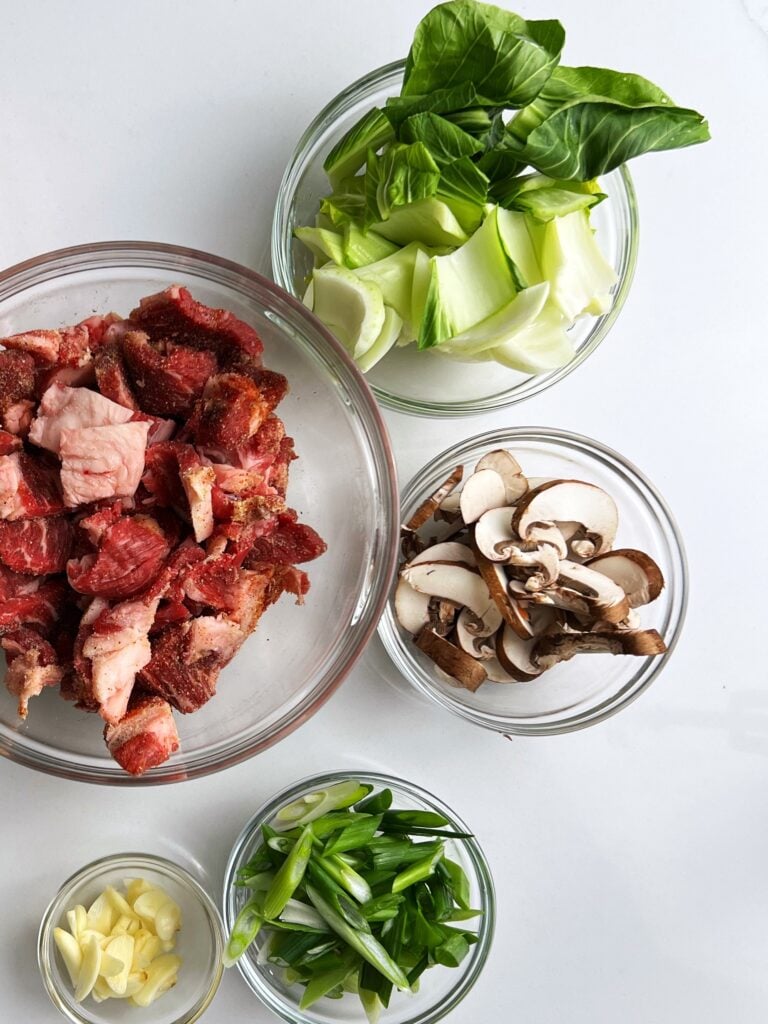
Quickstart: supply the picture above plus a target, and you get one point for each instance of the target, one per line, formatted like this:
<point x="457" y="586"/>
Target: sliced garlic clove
<point x="136" y="982"/>
<point x="146" y="948"/>
<point x="70" y="951"/>
<point x="89" y="968"/>
<point x="122" y="924"/>
<point x="121" y="950"/>
<point x="119" y="904"/>
<point x="160" y="977"/>
<point x="101" y="991"/>
<point x="134" y="887"/>
<point x="148" y="904"/>
<point x="167" y="920"/>
<point x="100" y="915"/>
<point x="110" y="965"/>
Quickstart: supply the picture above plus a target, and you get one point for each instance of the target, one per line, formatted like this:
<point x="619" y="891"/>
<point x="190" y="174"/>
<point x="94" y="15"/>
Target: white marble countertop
<point x="631" y="858"/>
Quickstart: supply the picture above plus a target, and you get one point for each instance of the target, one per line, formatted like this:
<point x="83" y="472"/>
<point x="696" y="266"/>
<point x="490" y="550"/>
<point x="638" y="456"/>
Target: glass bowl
<point x="200" y="943"/>
<point x="440" y="991"/>
<point x="343" y="483"/>
<point x="588" y="688"/>
<point x="399" y="381"/>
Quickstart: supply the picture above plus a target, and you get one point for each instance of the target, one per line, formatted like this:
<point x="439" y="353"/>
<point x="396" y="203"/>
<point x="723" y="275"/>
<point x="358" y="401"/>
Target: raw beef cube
<point x="102" y="462"/>
<point x="111" y="376"/>
<point x="131" y="553"/>
<point x="36" y="546"/>
<point x="29" y="486"/>
<point x="40" y="609"/>
<point x="145" y="737"/>
<point x="17" y="418"/>
<point x="174" y="315"/>
<point x="43" y="346"/>
<point x="233" y="409"/>
<point x="197" y="480"/>
<point x="17" y="378"/>
<point x="167" y="378"/>
<point x="290" y="543"/>
<point x="9" y="443"/>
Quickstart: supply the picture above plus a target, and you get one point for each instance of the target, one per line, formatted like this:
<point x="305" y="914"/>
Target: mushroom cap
<point x="461" y="666"/>
<point x="509" y="609"/>
<point x="561" y="501"/>
<point x="514" y="655"/>
<point x="482" y="491"/>
<point x="411" y="607"/>
<point x="561" y="647"/>
<point x="458" y="583"/>
<point x="430" y="505"/>
<point x="635" y="572"/>
<point x="508" y="468"/>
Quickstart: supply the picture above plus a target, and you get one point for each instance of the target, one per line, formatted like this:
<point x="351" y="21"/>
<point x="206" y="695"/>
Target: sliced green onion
<point x="364" y="943"/>
<point x="289" y="876"/>
<point x="314" y="805"/>
<point x="322" y="984"/>
<point x="244" y="931"/>
<point x="456" y="879"/>
<point x="383" y="907"/>
<point x="361" y="830"/>
<point x="418" y="871"/>
<point x="296" y="912"/>
<point x="338" y="899"/>
<point x="346" y="877"/>
<point x="376" y="803"/>
<point x="424" y="819"/>
<point x="451" y="952"/>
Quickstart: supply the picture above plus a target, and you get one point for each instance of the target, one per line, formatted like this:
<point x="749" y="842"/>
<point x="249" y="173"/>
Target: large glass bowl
<point x="343" y="483"/>
<point x="426" y="383"/>
<point x="440" y="989"/>
<point x="200" y="942"/>
<point x="589" y="687"/>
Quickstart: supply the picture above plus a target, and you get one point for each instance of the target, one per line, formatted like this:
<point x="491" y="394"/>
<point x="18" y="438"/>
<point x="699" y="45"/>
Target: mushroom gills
<point x="563" y="501"/>
<point x="608" y="599"/>
<point x="457" y="583"/>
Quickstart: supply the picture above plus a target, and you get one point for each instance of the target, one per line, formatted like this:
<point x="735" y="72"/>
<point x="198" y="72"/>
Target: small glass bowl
<point x="441" y="989"/>
<point x="588" y="688"/>
<point x="427" y="383"/>
<point x="200" y="943"/>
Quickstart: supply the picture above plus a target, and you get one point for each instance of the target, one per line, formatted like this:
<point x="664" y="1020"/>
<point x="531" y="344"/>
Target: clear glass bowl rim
<point x="290" y="1011"/>
<point x="112" y="255"/>
<point x="388" y="77"/>
<point x="132" y="862"/>
<point x="401" y="653"/>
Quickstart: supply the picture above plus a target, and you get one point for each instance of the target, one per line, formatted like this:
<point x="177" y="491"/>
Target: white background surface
<point x="631" y="859"/>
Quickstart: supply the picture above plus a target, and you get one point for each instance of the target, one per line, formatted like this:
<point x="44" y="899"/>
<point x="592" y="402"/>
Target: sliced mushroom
<point x="428" y="508"/>
<point x="450" y="508"/>
<point x="494" y="533"/>
<point x="508" y="468"/>
<point x="548" y="533"/>
<point x="606" y="597"/>
<point x="482" y="491"/>
<point x="514" y="655"/>
<point x="442" y="615"/>
<point x="448" y="551"/>
<point x="468" y="639"/>
<point x="411" y="607"/>
<point x="509" y="609"/>
<point x="497" y="673"/>
<point x="543" y="560"/>
<point x="632" y="621"/>
<point x="457" y="583"/>
<point x="553" y="649"/>
<point x="555" y="597"/>
<point x="461" y="666"/>
<point x="570" y="500"/>
<point x="634" y="571"/>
